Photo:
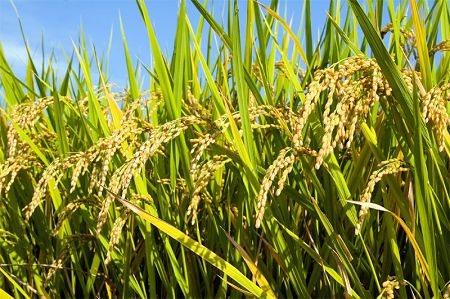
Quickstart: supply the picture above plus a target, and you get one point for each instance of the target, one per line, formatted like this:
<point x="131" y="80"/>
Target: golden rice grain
<point x="57" y="264"/>
<point x="434" y="110"/>
<point x="103" y="214"/>
<point x="440" y="47"/>
<point x="384" y="168"/>
<point x="447" y="292"/>
<point x="352" y="88"/>
<point x="194" y="105"/>
<point x="202" y="177"/>
<point x="389" y="286"/>
<point x="283" y="163"/>
<point x="115" y="234"/>
<point x="121" y="178"/>
<point x="69" y="209"/>
<point x="41" y="187"/>
<point x="199" y="146"/>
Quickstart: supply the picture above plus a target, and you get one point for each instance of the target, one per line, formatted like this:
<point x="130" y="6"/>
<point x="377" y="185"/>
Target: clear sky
<point x="58" y="22"/>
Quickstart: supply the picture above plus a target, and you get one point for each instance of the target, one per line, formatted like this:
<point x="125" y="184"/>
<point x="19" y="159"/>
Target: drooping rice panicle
<point x="434" y="110"/>
<point x="115" y="234"/>
<point x="447" y="292"/>
<point x="440" y="47"/>
<point x="50" y="173"/>
<point x="282" y="164"/>
<point x="57" y="264"/>
<point x="174" y="147"/>
<point x="201" y="178"/>
<point x="384" y="168"/>
<point x="199" y="147"/>
<point x="389" y="286"/>
<point x="122" y="177"/>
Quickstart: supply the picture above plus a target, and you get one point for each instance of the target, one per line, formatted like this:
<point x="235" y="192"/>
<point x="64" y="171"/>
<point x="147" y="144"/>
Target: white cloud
<point x="15" y="53"/>
<point x="17" y="57"/>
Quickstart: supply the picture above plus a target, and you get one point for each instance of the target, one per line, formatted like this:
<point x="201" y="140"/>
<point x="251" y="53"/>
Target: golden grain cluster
<point x="344" y="94"/>
<point x="389" y="286"/>
<point x="351" y="89"/>
<point x="384" y="168"/>
<point x="340" y="97"/>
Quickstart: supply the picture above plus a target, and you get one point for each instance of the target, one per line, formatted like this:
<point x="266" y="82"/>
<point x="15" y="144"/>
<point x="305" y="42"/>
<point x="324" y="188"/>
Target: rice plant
<point x="272" y="166"/>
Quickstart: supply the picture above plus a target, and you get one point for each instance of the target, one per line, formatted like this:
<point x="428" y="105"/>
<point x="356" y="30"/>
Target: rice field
<point x="269" y="165"/>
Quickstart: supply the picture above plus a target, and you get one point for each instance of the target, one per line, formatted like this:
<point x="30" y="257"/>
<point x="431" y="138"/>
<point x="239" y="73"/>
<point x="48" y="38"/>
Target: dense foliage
<point x="272" y="166"/>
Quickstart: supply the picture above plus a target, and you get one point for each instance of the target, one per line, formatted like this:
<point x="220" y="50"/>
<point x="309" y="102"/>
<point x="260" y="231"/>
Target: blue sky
<point x="60" y="21"/>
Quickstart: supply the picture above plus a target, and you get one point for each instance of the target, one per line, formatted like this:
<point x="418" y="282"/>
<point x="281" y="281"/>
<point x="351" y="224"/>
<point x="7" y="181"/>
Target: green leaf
<point x="198" y="249"/>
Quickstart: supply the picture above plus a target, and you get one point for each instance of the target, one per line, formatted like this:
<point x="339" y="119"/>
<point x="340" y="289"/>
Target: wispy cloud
<point x="17" y="57"/>
<point x="16" y="54"/>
